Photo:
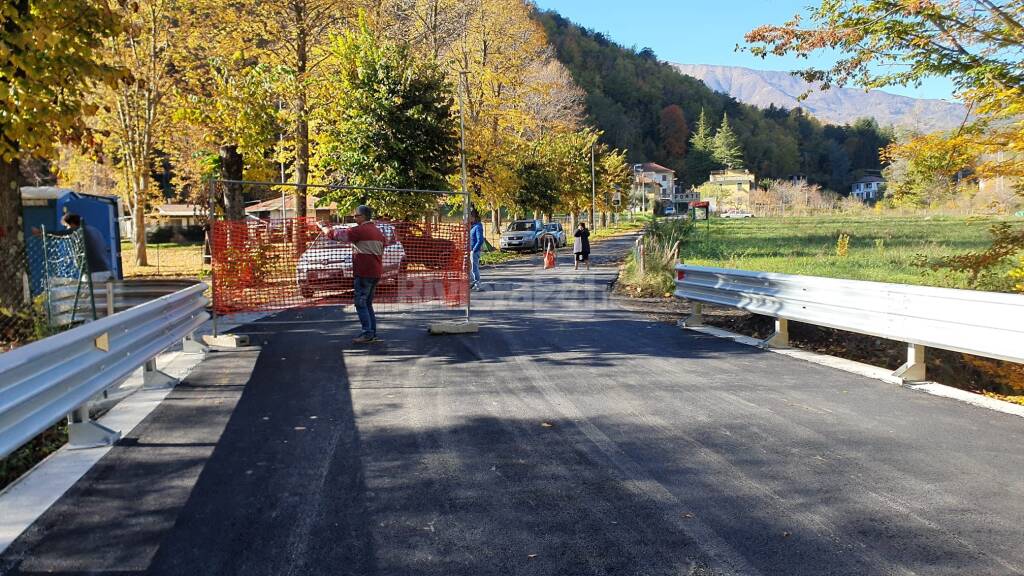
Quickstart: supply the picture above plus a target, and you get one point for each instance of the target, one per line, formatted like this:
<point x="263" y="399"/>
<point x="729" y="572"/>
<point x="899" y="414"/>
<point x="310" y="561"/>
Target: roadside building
<point x="272" y="209"/>
<point x="869" y="188"/>
<point x="656" y="183"/>
<point x="179" y="215"/>
<point x="729" y="189"/>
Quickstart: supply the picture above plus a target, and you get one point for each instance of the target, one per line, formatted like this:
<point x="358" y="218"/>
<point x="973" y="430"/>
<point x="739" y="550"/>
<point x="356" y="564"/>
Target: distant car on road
<point x="736" y="214"/>
<point x="523" y="235"/>
<point x="555" y="230"/>
<point x="327" y="264"/>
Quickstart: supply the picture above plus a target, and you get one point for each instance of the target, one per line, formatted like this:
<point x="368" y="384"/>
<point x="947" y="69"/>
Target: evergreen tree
<point x="702" y="138"/>
<point x="725" y="147"/>
<point x="700" y="161"/>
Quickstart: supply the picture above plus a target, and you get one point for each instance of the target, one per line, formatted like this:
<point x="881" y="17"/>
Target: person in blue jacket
<point x="476" y="246"/>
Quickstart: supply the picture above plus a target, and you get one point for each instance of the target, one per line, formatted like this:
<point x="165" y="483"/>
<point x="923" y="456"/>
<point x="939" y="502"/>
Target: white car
<point x="736" y="214"/>
<point x="327" y="264"/>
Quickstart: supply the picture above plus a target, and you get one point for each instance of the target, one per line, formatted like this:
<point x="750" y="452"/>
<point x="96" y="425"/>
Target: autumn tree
<point x="51" y="60"/>
<point x="926" y="169"/>
<point x="513" y="92"/>
<point x="386" y="121"/>
<point x="614" y="175"/>
<point x="134" y="111"/>
<point x="225" y="113"/>
<point x="725" y="147"/>
<point x="293" y="36"/>
<point x="896" y="42"/>
<point x="674" y="133"/>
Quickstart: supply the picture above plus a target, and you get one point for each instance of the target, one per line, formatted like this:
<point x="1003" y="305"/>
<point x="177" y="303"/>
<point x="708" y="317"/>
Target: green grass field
<point x="881" y="248"/>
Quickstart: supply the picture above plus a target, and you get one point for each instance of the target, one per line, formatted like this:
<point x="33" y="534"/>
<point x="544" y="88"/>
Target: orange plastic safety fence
<point x="263" y="265"/>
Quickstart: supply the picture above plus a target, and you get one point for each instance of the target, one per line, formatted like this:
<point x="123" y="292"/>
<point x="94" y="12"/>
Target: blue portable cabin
<point x="44" y="206"/>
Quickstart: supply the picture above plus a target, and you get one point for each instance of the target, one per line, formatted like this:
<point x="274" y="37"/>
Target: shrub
<point x="650" y="271"/>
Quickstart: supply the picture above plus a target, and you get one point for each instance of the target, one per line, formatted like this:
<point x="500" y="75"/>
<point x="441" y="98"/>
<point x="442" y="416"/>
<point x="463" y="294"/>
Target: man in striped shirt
<point x="367" y="267"/>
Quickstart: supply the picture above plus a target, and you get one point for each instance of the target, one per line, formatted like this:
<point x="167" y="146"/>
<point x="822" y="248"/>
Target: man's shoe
<point x="364" y="339"/>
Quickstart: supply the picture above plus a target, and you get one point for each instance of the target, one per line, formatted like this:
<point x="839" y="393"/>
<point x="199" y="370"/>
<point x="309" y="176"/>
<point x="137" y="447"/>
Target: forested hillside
<point x="632" y="97"/>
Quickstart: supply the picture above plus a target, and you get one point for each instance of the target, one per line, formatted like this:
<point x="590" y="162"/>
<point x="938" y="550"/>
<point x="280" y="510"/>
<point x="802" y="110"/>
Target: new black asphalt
<point x="568" y="437"/>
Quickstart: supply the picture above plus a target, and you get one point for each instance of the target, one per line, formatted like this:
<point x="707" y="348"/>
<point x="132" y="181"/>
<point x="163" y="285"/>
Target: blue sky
<point x="703" y="32"/>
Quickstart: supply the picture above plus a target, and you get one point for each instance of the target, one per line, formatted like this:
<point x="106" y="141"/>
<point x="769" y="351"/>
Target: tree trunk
<point x="301" y="160"/>
<point x="301" y="115"/>
<point x="140" y="220"/>
<point x="231" y="169"/>
<point x="12" y="247"/>
<point x="496" y="220"/>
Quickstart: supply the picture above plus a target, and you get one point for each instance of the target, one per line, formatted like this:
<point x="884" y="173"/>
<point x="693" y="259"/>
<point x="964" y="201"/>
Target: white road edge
<point x="875" y="372"/>
<point x="27" y="498"/>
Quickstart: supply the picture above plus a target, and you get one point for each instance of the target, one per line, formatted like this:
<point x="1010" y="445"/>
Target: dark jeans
<point x="364" y="289"/>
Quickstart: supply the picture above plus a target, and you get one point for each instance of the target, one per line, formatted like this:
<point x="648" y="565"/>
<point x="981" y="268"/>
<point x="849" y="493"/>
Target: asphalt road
<point x="568" y="437"/>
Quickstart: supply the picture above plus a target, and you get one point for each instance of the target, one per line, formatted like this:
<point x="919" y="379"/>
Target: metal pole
<point x="465" y="191"/>
<point x="209" y="224"/>
<point x="593" y="188"/>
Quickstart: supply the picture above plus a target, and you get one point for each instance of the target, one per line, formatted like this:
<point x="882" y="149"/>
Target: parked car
<point x="555" y="230"/>
<point x="421" y="247"/>
<point x="736" y="214"/>
<point x="326" y="265"/>
<point x="523" y="235"/>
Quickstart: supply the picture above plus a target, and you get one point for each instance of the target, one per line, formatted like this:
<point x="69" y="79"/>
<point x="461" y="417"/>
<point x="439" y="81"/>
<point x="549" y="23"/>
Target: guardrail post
<point x="779" y="338"/>
<point x="110" y="296"/>
<point x="153" y="378"/>
<point x="696" y="317"/>
<point x="189" y="345"/>
<point x="84" y="432"/>
<point x="914" y="369"/>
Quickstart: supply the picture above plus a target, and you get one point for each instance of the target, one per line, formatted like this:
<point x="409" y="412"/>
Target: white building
<point x="657" y="181"/>
<point x="868" y="188"/>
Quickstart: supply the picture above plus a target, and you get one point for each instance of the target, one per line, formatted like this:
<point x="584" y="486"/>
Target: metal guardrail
<point x="43" y="381"/>
<point x="986" y="324"/>
<point x="125" y="294"/>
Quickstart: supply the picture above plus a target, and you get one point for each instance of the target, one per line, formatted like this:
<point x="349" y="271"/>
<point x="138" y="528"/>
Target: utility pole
<point x="465" y="191"/>
<point x="593" y="188"/>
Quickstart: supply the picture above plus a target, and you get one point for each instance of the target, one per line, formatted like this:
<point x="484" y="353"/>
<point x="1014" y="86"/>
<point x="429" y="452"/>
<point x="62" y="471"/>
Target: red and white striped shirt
<point x="367" y="248"/>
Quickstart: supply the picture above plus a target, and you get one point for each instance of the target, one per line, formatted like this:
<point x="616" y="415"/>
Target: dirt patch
<point x="1004" y="380"/>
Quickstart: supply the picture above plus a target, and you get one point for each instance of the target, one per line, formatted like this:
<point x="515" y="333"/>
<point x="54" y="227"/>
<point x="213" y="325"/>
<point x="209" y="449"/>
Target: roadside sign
<point x="699" y="210"/>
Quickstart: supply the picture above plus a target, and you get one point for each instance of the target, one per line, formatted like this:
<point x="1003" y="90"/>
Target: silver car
<point x="327" y="264"/>
<point x="558" y="233"/>
<point x="523" y="235"/>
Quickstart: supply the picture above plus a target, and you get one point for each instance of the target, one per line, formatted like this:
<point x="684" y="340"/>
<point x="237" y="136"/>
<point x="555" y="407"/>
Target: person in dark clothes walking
<point x="581" y="246"/>
<point x="367" y="267"/>
<point x="96" y="252"/>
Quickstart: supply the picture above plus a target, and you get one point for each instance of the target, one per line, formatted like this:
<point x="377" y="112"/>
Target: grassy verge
<point x="497" y="257"/>
<point x="650" y="271"/>
<point x="165" y="260"/>
<point x="880" y="248"/>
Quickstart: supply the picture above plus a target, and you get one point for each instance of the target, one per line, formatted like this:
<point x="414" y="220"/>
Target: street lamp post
<point x="465" y="191"/>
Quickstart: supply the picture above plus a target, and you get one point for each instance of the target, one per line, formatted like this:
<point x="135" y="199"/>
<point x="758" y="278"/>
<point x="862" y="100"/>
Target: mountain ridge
<point x="763" y="88"/>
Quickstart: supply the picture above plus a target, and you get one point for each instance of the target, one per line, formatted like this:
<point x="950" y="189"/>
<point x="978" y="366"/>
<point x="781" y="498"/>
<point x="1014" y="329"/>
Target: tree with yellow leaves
<point x="977" y="45"/>
<point x="50" y="62"/>
<point x="132" y="112"/>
